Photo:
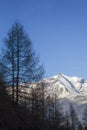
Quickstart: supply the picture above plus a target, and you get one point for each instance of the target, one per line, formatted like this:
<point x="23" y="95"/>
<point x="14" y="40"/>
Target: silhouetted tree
<point x="67" y="121"/>
<point x="58" y="113"/>
<point x="21" y="61"/>
<point x="2" y="74"/>
<point x="37" y="100"/>
<point x="42" y="99"/>
<point x="85" y="116"/>
<point x="55" y="113"/>
<point x="74" y="118"/>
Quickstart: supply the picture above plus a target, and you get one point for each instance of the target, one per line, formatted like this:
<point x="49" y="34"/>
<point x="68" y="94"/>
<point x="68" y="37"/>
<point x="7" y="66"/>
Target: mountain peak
<point x="61" y="74"/>
<point x="71" y="78"/>
<point x="58" y="75"/>
<point x="68" y="85"/>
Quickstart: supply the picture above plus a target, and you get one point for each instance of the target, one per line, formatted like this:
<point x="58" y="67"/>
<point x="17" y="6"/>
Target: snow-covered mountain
<point x="68" y="90"/>
<point x="65" y="86"/>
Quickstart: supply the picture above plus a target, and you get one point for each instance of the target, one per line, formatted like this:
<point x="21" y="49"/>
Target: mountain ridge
<point x="70" y="90"/>
<point x="73" y="84"/>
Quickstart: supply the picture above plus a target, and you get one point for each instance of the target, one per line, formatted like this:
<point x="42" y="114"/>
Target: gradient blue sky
<point x="57" y="28"/>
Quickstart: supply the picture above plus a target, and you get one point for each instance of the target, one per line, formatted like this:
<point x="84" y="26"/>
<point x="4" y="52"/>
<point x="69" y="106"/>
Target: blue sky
<point x="57" y="28"/>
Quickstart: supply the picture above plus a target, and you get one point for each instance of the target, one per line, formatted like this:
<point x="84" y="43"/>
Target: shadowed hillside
<point x="13" y="117"/>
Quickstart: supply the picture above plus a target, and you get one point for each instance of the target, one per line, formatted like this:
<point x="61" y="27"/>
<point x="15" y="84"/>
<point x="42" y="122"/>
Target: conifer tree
<point x="20" y="59"/>
<point x="85" y="116"/>
<point x="2" y="75"/>
<point x="74" y="118"/>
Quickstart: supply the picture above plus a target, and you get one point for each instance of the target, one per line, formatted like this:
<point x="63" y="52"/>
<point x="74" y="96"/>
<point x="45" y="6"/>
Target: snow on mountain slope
<point x="66" y="86"/>
<point x="68" y="90"/>
<point x="72" y="88"/>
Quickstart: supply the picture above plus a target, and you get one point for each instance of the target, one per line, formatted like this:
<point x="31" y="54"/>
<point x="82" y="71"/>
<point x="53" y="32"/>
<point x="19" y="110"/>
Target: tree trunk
<point x="17" y="85"/>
